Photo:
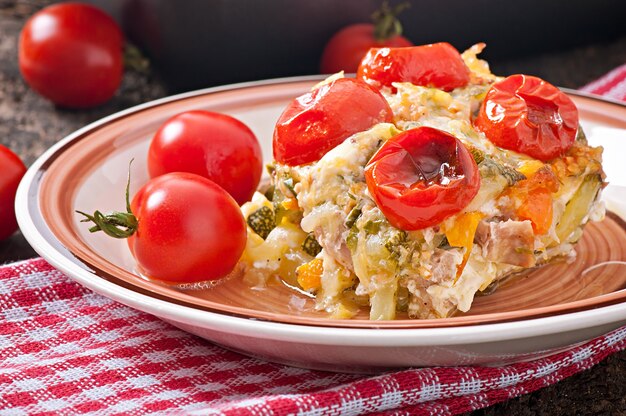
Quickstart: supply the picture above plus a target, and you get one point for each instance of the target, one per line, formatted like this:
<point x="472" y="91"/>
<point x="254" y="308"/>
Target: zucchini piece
<point x="262" y="221"/>
<point x="489" y="167"/>
<point x="311" y="246"/>
<point x="578" y="207"/>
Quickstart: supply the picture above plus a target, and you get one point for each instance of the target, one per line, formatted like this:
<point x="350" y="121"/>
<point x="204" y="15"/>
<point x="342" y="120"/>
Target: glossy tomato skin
<point x="316" y="122"/>
<point x="528" y="115"/>
<point x="438" y="65"/>
<point x="216" y="146"/>
<point x="12" y="170"/>
<point x="345" y="50"/>
<point x="71" y="53"/>
<point x="421" y="177"/>
<point x="189" y="229"/>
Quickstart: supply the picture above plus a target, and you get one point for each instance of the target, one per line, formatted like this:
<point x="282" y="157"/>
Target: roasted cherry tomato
<point x="181" y="227"/>
<point x="11" y="171"/>
<point x="216" y="146"/>
<point x="346" y="48"/>
<point x="71" y="53"/>
<point x="438" y="65"/>
<point x="318" y="121"/>
<point x="421" y="177"/>
<point x="528" y="115"/>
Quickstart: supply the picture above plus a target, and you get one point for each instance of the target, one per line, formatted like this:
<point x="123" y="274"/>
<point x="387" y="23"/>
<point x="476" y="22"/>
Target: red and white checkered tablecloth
<point x="612" y="85"/>
<point x="67" y="350"/>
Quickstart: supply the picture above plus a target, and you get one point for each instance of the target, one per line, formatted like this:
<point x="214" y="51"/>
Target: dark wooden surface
<point x="29" y="125"/>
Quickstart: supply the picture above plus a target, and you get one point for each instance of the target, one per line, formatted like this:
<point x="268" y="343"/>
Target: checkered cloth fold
<point x="612" y="85"/>
<point x="67" y="350"/>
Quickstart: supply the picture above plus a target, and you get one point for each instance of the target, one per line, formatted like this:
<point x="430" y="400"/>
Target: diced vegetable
<point x="353" y="215"/>
<point x="490" y="167"/>
<point x="535" y="194"/>
<point x="578" y="207"/>
<point x="311" y="246"/>
<point x="395" y="242"/>
<point x="310" y="274"/>
<point x="352" y="239"/>
<point x="262" y="221"/>
<point x="461" y="234"/>
<point x="372" y="227"/>
<point x="282" y="213"/>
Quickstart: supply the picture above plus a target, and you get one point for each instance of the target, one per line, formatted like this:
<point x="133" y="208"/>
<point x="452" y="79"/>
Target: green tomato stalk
<point x="386" y="23"/>
<point x="117" y="224"/>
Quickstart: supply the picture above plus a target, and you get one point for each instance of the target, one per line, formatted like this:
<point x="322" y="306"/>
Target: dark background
<point x="200" y="43"/>
<point x="197" y="43"/>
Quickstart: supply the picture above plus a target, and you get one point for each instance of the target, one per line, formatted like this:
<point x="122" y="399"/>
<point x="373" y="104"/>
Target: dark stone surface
<point x="29" y="125"/>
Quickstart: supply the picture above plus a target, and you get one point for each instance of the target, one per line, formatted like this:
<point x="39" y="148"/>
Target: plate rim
<point x="136" y="300"/>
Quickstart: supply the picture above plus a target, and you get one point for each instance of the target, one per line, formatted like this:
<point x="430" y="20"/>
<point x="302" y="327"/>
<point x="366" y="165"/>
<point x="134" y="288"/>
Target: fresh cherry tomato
<point x="421" y="177"/>
<point x="11" y="171"/>
<point x="71" y="53"/>
<point x="346" y="48"/>
<point x="318" y="121"/>
<point x="189" y="229"/>
<point x="216" y="146"/>
<point x="181" y="228"/>
<point x="528" y="115"/>
<point x="438" y="65"/>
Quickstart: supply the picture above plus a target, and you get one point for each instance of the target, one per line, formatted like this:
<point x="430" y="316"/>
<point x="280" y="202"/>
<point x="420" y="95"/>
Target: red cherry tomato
<point x="318" y="121"/>
<point x="528" y="115"/>
<point x="189" y="229"/>
<point x="71" y="53"/>
<point x="421" y="177"/>
<point x="216" y="146"/>
<point x="438" y="65"/>
<point x="11" y="171"/>
<point x="346" y="48"/>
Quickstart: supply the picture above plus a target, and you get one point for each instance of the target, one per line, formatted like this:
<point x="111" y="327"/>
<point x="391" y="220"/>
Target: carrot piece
<point x="309" y="275"/>
<point x="461" y="234"/>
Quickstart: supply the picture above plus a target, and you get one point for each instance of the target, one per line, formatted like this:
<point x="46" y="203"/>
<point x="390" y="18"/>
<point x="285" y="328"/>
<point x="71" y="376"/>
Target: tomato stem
<point x="135" y="59"/>
<point x="386" y="23"/>
<point x="117" y="224"/>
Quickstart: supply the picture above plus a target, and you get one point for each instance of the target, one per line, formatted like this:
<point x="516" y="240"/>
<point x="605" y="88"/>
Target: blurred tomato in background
<point x="11" y="171"/>
<point x="71" y="53"/>
<point x="346" y="48"/>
